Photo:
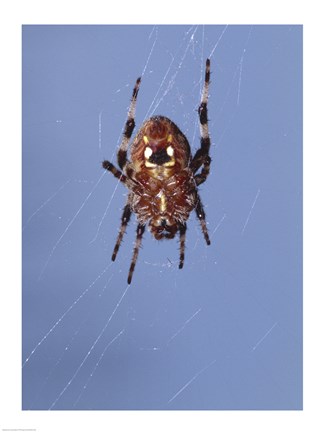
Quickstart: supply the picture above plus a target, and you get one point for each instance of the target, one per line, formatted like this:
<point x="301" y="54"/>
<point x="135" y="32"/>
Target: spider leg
<point x="182" y="231"/>
<point x="202" y="219"/>
<point x="127" y="212"/>
<point x="129" y="127"/>
<point x="139" y="235"/>
<point x="202" y="157"/>
<point x="202" y="176"/>
<point x="115" y="172"/>
<point x="203" y="151"/>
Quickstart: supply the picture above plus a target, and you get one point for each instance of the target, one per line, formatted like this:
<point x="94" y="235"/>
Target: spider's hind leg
<point x="202" y="154"/>
<point x="129" y="127"/>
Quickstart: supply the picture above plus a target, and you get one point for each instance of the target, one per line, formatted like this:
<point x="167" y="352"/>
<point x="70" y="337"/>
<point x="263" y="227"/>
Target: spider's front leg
<point x="182" y="232"/>
<point x="127" y="212"/>
<point x="139" y="235"/>
<point x="202" y="219"/>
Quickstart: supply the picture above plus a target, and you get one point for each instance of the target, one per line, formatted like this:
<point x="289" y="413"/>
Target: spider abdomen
<point x="160" y="148"/>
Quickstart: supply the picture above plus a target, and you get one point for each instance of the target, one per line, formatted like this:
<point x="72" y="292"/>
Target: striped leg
<point x="129" y="127"/>
<point x="127" y="212"/>
<point x="200" y="156"/>
<point x="201" y="177"/>
<point x="202" y="219"/>
<point x="139" y="235"/>
<point x="115" y="172"/>
<point x="182" y="231"/>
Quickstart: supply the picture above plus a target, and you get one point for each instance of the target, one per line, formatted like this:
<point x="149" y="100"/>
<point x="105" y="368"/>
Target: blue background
<point x="226" y="331"/>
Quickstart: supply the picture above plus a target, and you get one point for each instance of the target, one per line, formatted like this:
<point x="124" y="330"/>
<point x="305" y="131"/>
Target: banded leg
<point x="182" y="231"/>
<point x="129" y="127"/>
<point x="125" y="219"/>
<point x="115" y="172"/>
<point x="201" y="153"/>
<point x="139" y="235"/>
<point x="202" y="176"/>
<point x="202" y="219"/>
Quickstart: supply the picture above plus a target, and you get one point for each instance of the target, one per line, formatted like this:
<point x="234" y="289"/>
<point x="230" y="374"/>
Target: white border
<point x="16" y="13"/>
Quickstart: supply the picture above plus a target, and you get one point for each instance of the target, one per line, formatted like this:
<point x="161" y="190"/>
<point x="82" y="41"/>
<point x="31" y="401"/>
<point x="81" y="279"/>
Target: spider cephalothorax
<point x="162" y="176"/>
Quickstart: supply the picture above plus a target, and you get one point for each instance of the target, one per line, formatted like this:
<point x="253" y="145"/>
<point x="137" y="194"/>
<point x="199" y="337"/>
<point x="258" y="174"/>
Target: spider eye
<point x="170" y="151"/>
<point x="148" y="152"/>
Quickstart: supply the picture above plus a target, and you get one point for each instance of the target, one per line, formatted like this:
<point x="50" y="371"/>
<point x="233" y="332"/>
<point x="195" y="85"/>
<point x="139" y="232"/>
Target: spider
<point x="162" y="176"/>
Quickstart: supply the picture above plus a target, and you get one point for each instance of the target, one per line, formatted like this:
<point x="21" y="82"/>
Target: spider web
<point x="90" y="341"/>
